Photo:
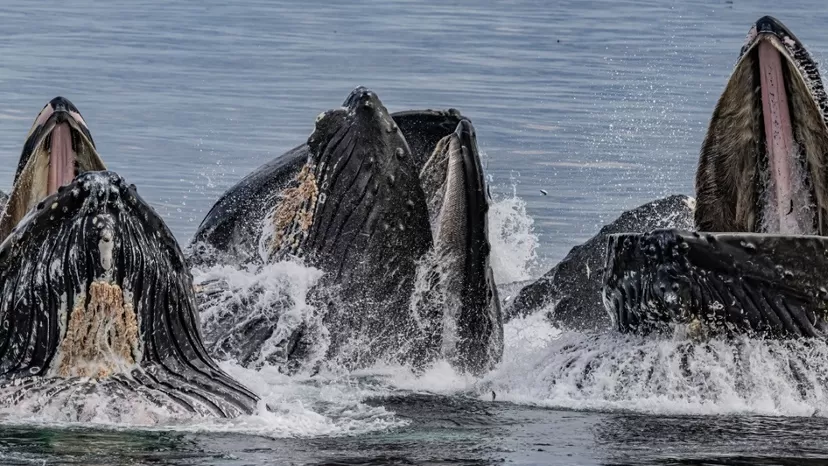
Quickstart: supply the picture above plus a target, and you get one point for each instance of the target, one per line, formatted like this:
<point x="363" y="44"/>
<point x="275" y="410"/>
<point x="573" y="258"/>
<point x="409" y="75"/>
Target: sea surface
<point x="582" y="108"/>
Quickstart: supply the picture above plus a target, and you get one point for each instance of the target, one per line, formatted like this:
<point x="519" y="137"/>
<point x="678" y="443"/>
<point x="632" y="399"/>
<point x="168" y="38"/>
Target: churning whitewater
<point x="542" y="365"/>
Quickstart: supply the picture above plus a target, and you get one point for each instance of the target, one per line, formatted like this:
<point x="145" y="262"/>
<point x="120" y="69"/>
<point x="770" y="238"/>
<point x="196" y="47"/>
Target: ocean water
<point x="603" y="104"/>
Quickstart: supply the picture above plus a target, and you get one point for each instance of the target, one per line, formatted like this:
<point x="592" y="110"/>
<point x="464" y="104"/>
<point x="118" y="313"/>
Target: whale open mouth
<point x="779" y="143"/>
<point x="458" y="202"/>
<point x="762" y="198"/>
<point x="353" y="202"/>
<point x="58" y="147"/>
<point x="762" y="159"/>
<point x="95" y="288"/>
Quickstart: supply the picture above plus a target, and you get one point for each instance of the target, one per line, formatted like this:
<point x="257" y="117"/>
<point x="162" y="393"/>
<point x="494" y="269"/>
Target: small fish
<point x="507" y="298"/>
<point x="494" y="395"/>
<point x="543" y="191"/>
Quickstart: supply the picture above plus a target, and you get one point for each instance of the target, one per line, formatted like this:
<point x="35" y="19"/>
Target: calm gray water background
<point x="602" y="103"/>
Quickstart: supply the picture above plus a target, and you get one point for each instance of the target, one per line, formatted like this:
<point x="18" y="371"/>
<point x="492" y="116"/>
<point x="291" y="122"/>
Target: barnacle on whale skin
<point x="102" y="335"/>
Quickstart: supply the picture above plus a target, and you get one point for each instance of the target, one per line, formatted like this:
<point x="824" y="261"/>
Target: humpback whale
<point x="97" y="302"/>
<point x="231" y="230"/>
<point x="762" y="163"/>
<point x="58" y="147"/>
<point x="754" y="267"/>
<point x="352" y="202"/>
<point x="761" y="171"/>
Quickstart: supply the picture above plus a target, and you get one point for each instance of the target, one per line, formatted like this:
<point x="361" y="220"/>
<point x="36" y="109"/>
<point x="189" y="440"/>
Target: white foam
<point x="289" y="407"/>
<point x="303" y="406"/>
<point x="512" y="239"/>
<point x="275" y="294"/>
<point x="572" y="370"/>
<point x="542" y="366"/>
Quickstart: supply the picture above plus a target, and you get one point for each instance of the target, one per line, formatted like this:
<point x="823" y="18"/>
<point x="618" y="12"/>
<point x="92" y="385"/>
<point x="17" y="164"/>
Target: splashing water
<point x="572" y="370"/>
<point x="512" y="239"/>
<point x="542" y="366"/>
<point x="290" y="407"/>
<point x="260" y="309"/>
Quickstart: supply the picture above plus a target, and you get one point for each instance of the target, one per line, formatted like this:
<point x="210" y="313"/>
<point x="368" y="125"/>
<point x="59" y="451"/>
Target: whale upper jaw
<point x="760" y="168"/>
<point x="58" y="147"/>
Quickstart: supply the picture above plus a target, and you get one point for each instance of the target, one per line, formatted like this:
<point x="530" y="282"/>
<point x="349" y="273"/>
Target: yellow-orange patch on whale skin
<point x="102" y="336"/>
<point x="296" y="207"/>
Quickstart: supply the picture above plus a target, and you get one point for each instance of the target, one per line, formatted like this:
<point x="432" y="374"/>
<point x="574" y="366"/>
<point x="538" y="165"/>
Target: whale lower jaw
<point x="141" y="397"/>
<point x="717" y="284"/>
<point x="97" y="298"/>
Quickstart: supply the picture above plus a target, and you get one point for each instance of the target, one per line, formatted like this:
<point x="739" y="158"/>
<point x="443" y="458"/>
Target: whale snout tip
<point x="61" y="103"/>
<point x="767" y="24"/>
<point x="63" y="110"/>
<point x="465" y="129"/>
<point x="364" y="99"/>
<point x="359" y="95"/>
<point x="770" y="25"/>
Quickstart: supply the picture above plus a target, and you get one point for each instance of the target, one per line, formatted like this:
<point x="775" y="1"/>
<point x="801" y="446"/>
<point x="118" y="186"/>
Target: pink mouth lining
<point x="779" y="136"/>
<point x="62" y="158"/>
